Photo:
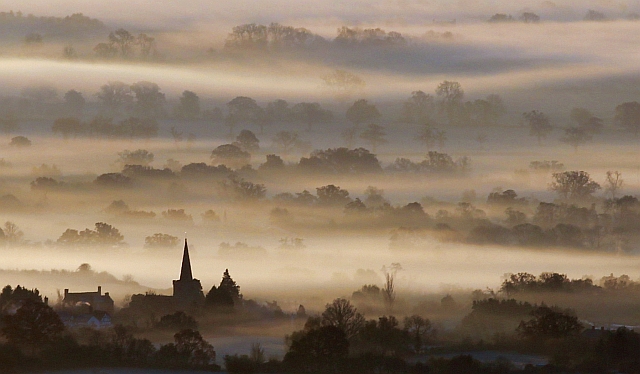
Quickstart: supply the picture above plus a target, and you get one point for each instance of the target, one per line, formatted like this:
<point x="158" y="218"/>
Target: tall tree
<point x="573" y="185"/>
<point x="189" y="106"/>
<point x="451" y="95"/>
<point x="539" y="124"/>
<point x="149" y="100"/>
<point x="361" y="112"/>
<point x="374" y="135"/>
<point x="628" y="116"/>
<point x="34" y="325"/>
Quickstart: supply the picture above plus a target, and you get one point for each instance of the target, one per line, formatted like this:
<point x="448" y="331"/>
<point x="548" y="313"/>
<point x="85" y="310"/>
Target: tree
<point x="500" y="17"/>
<point x="115" y="95"/>
<point x="230" y="155"/>
<point x="343" y="84"/>
<point x="227" y="284"/>
<point x="427" y="135"/>
<point x="148" y="100"/>
<point x="332" y="195"/>
<point x="67" y="127"/>
<point x="573" y="185"/>
<point x="374" y="135"/>
<point x="341" y="161"/>
<point x="389" y="288"/>
<point x="548" y="323"/>
<point x="12" y="233"/>
<point x="123" y="41"/>
<point x="20" y="141"/>
<point x="418" y="108"/>
<point x="529" y="17"/>
<point x="539" y="125"/>
<point x="586" y="121"/>
<point x="189" y="105"/>
<point x="341" y="314"/>
<point x="613" y="183"/>
<point x="190" y="344"/>
<point x="242" y="110"/>
<point x="33" y="325"/>
<point x="9" y="123"/>
<point x="147" y="45"/>
<point x="451" y="95"/>
<point x="286" y="141"/>
<point x="227" y="294"/>
<point x="311" y="114"/>
<point x="74" y="102"/>
<point x="318" y="350"/>
<point x="349" y="136"/>
<point x="594" y="15"/>
<point x="137" y="157"/>
<point x="247" y="141"/>
<point x="628" y="116"/>
<point x="361" y="112"/>
<point x="575" y="137"/>
<point x="160" y="240"/>
<point x="420" y="329"/>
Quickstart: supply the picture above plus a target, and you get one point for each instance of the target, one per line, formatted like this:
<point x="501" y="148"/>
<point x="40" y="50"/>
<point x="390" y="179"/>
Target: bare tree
<point x="613" y="183"/>
<point x="341" y="314"/>
<point x="389" y="288"/>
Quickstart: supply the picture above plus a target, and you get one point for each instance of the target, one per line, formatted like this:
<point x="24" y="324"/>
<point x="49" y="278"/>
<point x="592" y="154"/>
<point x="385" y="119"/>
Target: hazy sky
<point x="168" y="13"/>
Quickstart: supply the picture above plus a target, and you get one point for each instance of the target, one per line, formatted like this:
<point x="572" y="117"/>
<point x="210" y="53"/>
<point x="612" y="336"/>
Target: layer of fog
<point x="168" y="14"/>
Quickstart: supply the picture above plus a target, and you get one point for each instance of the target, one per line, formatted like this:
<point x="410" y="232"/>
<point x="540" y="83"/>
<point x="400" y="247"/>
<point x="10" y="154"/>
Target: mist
<point x="414" y="158"/>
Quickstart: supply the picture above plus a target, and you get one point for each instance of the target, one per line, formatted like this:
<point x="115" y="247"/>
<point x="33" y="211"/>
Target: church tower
<point x="187" y="291"/>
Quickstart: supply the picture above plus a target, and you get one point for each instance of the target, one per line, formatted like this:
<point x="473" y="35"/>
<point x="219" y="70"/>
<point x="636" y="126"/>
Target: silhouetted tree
<point x="361" y="112"/>
<point x="451" y="95"/>
<point x="115" y="95"/>
<point x="374" y="135"/>
<point x="34" y="325"/>
<point x="341" y="314"/>
<point x="230" y="155"/>
<point x="573" y="185"/>
<point x="548" y="323"/>
<point x="613" y="183"/>
<point x="123" y="41"/>
<point x="343" y="84"/>
<point x="539" y="125"/>
<point x="160" y="240"/>
<point x="137" y="157"/>
<point x="420" y="330"/>
<point x="311" y="114"/>
<point x="594" y="15"/>
<point x="247" y="141"/>
<point x="189" y="106"/>
<point x="341" y="161"/>
<point x="628" y="116"/>
<point x="242" y="110"/>
<point x="418" y="108"/>
<point x="20" y="141"/>
<point x="74" y="102"/>
<point x="575" y="137"/>
<point x="67" y="127"/>
<point x="319" y="350"/>
<point x="529" y="17"/>
<point x="332" y="195"/>
<point x="148" y="100"/>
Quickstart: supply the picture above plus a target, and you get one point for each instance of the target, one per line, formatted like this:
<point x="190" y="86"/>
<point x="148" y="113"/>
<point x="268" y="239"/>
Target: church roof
<point x="185" y="271"/>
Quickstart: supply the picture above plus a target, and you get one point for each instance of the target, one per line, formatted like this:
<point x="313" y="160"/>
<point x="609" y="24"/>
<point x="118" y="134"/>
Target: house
<point x="96" y="300"/>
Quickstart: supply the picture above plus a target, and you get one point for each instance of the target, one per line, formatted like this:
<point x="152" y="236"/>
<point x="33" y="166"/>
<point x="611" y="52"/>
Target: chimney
<point x="46" y="300"/>
<point x="99" y="290"/>
<point x="106" y="294"/>
<point x="66" y="292"/>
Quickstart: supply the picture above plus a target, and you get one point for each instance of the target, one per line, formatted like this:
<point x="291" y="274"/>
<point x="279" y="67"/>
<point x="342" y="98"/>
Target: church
<point x="187" y="292"/>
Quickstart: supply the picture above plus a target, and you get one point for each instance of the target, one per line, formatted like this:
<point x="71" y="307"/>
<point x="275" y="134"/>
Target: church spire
<point x="185" y="271"/>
